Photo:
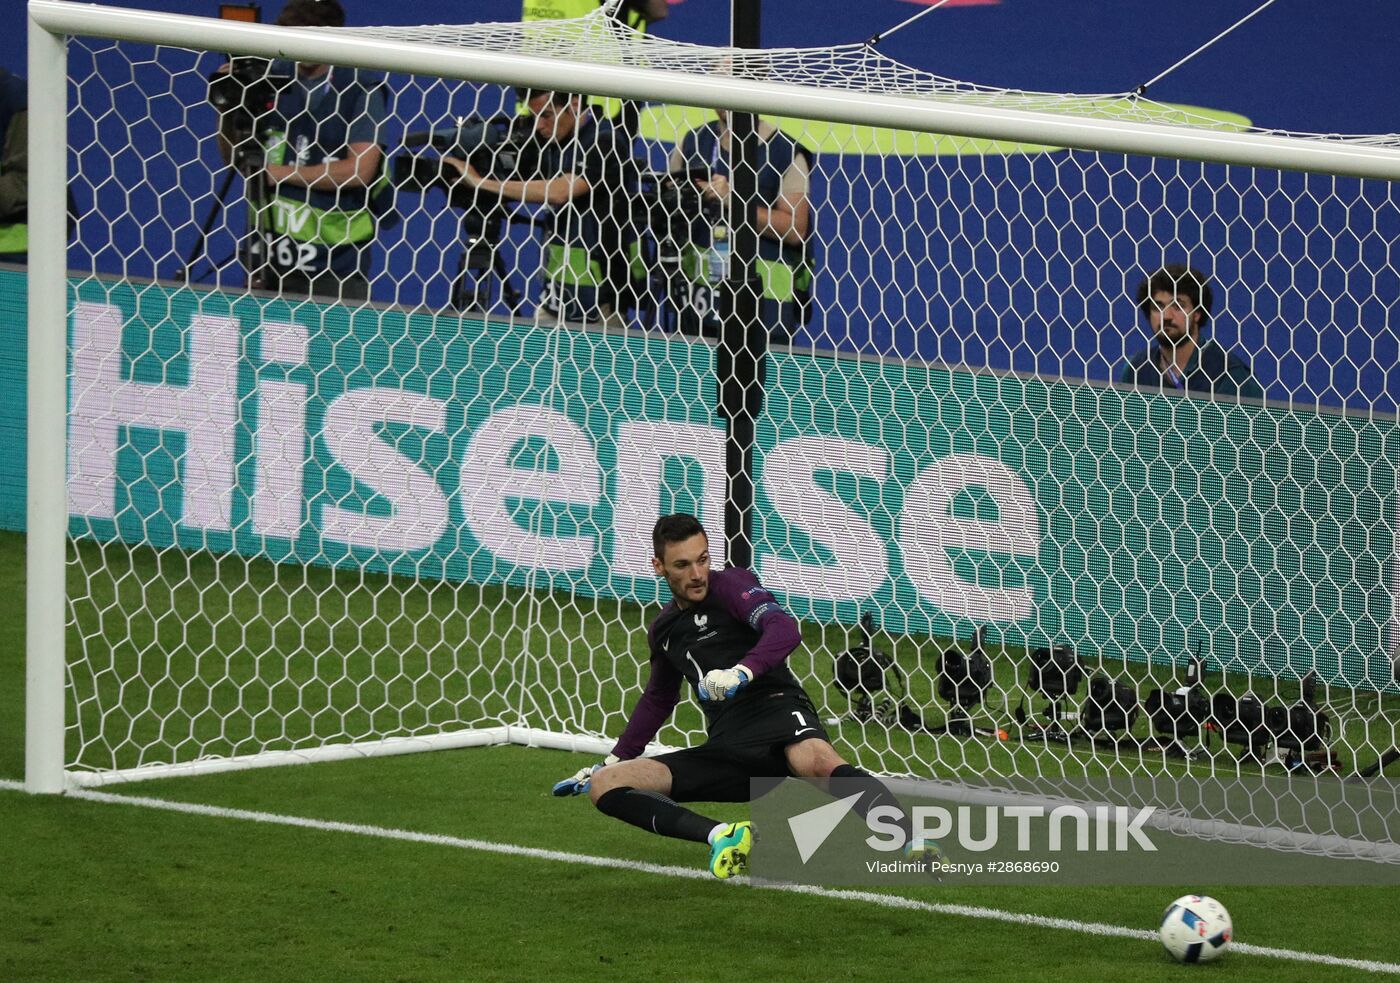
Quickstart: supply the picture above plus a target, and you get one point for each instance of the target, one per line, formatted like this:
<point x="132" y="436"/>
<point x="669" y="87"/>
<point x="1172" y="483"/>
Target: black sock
<point x="655" y="813"/>
<point x="873" y="793"/>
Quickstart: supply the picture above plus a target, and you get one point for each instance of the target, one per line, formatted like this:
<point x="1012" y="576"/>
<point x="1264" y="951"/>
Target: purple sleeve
<point x="662" y="693"/>
<point x="749" y="601"/>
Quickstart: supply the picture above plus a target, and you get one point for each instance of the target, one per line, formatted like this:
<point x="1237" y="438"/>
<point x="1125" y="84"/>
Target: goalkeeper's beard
<point x="689" y="592"/>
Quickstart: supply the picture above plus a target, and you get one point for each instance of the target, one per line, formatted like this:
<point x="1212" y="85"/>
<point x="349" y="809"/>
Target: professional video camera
<point x="669" y="204"/>
<point x="1178" y="714"/>
<point x="1241" y="720"/>
<point x="1301" y="731"/>
<point x="1055" y="674"/>
<point x="1298" y="733"/>
<point x="1112" y="706"/>
<point x="867" y="676"/>
<point x="244" y="97"/>
<point x="502" y="147"/>
<point x="1177" y="717"/>
<point x="874" y="685"/>
<point x="963" y="679"/>
<point x="877" y="688"/>
<point x="667" y="207"/>
<point x="244" y="94"/>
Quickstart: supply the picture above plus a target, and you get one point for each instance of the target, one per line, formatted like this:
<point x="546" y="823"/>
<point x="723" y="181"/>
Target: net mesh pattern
<point x="600" y="39"/>
<point x="413" y="496"/>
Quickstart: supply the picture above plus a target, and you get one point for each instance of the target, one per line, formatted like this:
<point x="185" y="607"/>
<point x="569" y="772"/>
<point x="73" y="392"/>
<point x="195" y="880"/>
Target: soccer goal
<point x="374" y="472"/>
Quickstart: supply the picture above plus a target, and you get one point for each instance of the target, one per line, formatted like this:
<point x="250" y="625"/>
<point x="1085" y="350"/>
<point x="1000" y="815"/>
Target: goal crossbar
<point x="924" y="114"/>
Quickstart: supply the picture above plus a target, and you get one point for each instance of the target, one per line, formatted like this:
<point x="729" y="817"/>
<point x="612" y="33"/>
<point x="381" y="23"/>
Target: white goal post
<point x="921" y="456"/>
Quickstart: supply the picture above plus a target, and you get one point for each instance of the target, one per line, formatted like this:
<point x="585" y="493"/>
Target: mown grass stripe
<point x="694" y="873"/>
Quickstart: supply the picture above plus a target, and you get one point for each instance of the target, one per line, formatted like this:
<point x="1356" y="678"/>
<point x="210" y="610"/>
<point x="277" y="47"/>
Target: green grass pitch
<point x="96" y="891"/>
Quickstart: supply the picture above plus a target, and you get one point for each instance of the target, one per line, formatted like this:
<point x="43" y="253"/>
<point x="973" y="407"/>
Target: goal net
<point x="365" y="436"/>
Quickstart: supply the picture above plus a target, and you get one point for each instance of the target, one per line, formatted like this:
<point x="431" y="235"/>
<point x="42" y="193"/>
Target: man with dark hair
<point x="312" y="13"/>
<point x="313" y="219"/>
<point x="579" y="177"/>
<point x="636" y="14"/>
<point x="1176" y="302"/>
<point x="727" y="636"/>
<point x="614" y="237"/>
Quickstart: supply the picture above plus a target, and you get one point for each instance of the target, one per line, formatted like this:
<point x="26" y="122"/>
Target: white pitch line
<point x="691" y="873"/>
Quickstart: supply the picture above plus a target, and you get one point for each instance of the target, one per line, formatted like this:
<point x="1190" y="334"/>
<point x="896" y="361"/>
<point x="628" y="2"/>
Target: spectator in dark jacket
<point x="1176" y="302"/>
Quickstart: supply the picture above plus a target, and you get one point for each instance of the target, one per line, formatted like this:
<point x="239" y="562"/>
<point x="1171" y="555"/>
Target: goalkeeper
<point x="727" y="636"/>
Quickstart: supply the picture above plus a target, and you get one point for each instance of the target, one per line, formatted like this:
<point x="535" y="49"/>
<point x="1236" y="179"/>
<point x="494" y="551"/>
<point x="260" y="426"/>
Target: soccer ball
<point x="1195" y="929"/>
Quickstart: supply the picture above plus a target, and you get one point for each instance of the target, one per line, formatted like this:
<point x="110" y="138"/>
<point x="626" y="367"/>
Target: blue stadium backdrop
<point x="1297" y="66"/>
<point x="1067" y="553"/>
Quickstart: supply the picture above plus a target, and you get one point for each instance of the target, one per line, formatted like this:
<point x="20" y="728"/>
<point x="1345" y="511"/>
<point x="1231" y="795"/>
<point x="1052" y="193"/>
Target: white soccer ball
<point x="1196" y="929"/>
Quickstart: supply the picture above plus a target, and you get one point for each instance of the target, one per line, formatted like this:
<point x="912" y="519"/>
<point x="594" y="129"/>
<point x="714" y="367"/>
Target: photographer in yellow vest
<point x="636" y="13"/>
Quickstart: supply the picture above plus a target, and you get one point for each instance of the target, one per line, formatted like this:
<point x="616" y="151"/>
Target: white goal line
<point x="1172" y="821"/>
<point x="892" y="901"/>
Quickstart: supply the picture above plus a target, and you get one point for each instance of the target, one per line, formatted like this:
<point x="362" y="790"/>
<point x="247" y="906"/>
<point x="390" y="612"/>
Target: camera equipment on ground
<point x="1178" y="715"/>
<point x="1240" y="720"/>
<point x="963" y="679"/>
<point x="877" y="688"/>
<point x="1111" y="709"/>
<point x="1056" y="675"/>
<point x="873" y="684"/>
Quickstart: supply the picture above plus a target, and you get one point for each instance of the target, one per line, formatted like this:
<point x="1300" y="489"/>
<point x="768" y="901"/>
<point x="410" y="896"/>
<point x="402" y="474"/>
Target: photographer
<point x="310" y="162"/>
<point x="579" y="176"/>
<point x="634" y="13"/>
<point x="784" y="218"/>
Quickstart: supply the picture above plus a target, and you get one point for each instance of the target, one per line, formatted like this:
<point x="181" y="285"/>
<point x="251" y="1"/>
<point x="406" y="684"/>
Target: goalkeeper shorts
<point x="745" y="747"/>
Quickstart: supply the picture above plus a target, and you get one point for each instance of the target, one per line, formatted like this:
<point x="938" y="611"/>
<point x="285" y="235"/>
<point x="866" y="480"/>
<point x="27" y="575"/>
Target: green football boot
<point x="729" y="853"/>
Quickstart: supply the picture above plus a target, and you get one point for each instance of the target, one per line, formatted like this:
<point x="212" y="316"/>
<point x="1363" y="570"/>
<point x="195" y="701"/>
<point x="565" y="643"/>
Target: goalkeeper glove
<point x="722" y="684"/>
<point x="578" y="782"/>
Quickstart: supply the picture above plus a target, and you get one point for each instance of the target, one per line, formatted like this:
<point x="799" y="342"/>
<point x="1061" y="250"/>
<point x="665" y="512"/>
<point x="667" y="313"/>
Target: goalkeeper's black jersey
<point x="721" y="631"/>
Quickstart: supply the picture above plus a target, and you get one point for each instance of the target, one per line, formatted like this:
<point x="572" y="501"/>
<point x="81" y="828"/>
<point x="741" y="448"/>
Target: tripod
<point x="251" y="251"/>
<point x="481" y="263"/>
<point x="182" y="272"/>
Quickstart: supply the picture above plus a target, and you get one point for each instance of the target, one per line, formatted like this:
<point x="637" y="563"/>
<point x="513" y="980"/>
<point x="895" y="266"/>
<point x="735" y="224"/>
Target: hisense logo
<point x="273" y="435"/>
